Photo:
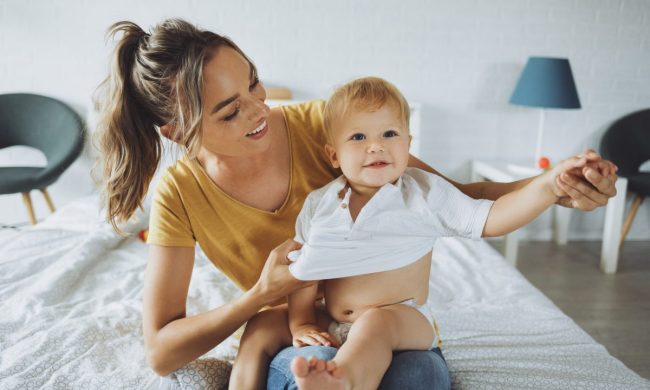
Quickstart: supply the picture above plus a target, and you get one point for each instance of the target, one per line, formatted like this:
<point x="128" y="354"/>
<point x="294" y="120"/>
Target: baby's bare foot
<point x="317" y="374"/>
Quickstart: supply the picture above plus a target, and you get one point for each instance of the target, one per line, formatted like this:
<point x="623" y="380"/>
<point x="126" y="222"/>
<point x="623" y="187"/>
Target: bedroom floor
<point x="613" y="309"/>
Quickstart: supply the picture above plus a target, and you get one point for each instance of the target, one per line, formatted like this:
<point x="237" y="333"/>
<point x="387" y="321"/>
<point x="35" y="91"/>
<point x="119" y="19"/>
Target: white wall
<point x="459" y="59"/>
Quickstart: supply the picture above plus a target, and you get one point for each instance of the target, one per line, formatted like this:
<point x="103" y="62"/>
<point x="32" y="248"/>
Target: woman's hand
<point x="589" y="187"/>
<point x="310" y="334"/>
<point x="275" y="280"/>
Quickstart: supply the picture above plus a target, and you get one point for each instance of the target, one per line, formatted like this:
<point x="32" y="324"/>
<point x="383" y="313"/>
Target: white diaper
<point x="340" y="330"/>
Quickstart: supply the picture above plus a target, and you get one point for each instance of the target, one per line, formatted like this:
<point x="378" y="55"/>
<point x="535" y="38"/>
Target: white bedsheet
<point x="70" y="316"/>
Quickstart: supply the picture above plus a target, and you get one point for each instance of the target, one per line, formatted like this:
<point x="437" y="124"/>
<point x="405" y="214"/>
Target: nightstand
<point x="504" y="172"/>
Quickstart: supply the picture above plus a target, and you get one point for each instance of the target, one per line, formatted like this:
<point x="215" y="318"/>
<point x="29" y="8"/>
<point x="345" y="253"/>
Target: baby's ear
<point x="331" y="153"/>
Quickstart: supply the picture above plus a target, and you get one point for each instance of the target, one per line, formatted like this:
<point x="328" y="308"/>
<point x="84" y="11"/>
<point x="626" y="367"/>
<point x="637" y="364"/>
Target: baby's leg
<point x="363" y="359"/>
<point x="266" y="333"/>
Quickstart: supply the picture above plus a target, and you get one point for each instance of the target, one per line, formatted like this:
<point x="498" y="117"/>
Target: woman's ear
<point x="331" y="153"/>
<point x="169" y="131"/>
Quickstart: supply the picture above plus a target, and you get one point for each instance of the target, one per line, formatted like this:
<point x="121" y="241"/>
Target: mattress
<point x="71" y="298"/>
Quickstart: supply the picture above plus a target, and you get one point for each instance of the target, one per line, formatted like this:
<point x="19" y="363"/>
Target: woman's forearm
<point x="185" y="339"/>
<point x="491" y="190"/>
<point x="479" y="190"/>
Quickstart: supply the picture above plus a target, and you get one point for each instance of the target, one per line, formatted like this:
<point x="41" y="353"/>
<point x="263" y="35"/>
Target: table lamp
<point x="545" y="83"/>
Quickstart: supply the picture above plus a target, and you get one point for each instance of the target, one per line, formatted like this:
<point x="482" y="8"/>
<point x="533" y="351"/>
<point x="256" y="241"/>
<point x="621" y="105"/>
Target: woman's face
<point x="234" y="113"/>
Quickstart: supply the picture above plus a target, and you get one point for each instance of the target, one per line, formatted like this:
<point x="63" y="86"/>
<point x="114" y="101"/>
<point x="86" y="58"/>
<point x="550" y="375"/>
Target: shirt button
<point x="344" y="205"/>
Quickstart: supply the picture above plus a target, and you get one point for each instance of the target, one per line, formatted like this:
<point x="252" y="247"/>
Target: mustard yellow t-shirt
<point x="188" y="207"/>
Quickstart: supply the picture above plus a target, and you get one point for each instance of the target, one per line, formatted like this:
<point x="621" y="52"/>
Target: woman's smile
<point x="259" y="132"/>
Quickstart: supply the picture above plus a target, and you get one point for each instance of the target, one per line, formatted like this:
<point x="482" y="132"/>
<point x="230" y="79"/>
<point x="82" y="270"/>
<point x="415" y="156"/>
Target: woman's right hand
<point x="275" y="280"/>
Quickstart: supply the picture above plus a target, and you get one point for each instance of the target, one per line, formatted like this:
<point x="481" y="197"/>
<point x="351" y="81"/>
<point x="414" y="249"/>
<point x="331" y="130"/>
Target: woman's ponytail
<point x="155" y="79"/>
<point x="131" y="147"/>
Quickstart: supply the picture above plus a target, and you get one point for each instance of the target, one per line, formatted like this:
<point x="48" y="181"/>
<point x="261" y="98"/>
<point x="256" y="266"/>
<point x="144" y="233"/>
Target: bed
<point x="71" y="293"/>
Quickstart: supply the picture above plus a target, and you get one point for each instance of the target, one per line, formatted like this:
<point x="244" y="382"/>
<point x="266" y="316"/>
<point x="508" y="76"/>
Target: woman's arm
<point x="171" y="339"/>
<point x="586" y="191"/>
<point x="479" y="190"/>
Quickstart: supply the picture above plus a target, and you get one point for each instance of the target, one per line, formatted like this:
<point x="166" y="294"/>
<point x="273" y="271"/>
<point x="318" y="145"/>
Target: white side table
<point x="504" y="172"/>
<point x="613" y="225"/>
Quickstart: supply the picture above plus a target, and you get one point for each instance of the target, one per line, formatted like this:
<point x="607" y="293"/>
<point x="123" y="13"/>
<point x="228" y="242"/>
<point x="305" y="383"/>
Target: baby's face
<point x="371" y="147"/>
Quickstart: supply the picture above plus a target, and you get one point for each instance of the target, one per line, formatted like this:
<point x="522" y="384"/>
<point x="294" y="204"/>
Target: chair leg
<point x="48" y="200"/>
<point x="30" y="209"/>
<point x="638" y="199"/>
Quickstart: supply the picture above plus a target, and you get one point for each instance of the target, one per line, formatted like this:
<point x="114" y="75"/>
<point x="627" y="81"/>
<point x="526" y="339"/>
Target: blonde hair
<point x="364" y="94"/>
<point x="155" y="79"/>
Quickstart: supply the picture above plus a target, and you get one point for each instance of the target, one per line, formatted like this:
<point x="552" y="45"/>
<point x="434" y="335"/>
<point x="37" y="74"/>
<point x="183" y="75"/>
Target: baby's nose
<point x="375" y="147"/>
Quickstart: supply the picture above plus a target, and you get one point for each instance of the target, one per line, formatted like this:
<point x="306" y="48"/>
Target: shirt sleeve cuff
<point x="480" y="217"/>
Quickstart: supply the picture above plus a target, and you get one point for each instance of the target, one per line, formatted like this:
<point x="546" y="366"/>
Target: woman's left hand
<point x="589" y="187"/>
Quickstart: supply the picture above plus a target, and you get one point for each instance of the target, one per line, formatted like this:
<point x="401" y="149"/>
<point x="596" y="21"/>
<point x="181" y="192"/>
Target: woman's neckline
<point x="279" y="210"/>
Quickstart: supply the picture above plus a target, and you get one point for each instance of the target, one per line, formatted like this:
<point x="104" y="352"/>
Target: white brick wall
<point x="459" y="59"/>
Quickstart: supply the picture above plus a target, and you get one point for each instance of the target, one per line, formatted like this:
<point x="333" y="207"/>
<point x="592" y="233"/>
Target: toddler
<point x="368" y="235"/>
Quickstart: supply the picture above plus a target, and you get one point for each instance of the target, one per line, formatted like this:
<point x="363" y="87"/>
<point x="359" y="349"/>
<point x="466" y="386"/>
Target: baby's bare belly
<point x="348" y="298"/>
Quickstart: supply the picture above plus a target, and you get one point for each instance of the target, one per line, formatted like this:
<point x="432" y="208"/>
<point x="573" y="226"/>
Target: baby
<point x="368" y="235"/>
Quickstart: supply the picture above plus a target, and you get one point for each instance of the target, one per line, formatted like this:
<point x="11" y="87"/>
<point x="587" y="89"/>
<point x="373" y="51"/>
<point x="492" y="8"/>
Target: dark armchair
<point x="627" y="144"/>
<point x="45" y="124"/>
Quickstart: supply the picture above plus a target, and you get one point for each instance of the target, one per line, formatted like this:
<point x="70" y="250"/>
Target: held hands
<point x="310" y="334"/>
<point x="275" y="280"/>
<point x="587" y="186"/>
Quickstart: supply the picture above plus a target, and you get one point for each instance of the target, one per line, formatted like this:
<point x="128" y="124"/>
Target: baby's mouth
<point x="377" y="164"/>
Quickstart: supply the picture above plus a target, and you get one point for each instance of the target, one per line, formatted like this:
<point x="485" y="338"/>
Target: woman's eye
<point x="358" y="137"/>
<point x="390" y="133"/>
<point x="232" y="116"/>
<point x="254" y="84"/>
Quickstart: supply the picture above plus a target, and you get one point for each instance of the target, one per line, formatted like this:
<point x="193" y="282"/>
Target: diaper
<point x="340" y="330"/>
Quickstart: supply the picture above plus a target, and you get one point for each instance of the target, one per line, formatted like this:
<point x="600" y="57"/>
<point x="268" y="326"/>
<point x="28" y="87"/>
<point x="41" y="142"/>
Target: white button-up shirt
<point x="397" y="226"/>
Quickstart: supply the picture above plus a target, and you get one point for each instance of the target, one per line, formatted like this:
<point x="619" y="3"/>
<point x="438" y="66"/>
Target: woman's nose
<point x="259" y="110"/>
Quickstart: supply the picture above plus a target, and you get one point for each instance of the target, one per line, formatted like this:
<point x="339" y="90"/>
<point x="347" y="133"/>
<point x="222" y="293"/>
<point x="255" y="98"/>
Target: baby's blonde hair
<point x="364" y="94"/>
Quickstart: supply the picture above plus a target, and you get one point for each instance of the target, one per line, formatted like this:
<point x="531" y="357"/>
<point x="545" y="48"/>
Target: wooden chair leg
<point x="30" y="209"/>
<point x="638" y="199"/>
<point x="48" y="200"/>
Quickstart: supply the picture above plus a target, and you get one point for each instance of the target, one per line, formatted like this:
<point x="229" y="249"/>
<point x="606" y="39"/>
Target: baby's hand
<point x="571" y="166"/>
<point x="310" y="334"/>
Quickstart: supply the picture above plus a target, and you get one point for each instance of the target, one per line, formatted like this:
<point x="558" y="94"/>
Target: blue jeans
<point x="408" y="370"/>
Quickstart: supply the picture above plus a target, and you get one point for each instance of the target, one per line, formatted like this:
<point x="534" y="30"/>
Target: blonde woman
<point x="236" y="192"/>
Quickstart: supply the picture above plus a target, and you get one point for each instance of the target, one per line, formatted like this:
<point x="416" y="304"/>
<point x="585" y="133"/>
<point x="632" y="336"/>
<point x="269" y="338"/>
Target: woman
<point x="237" y="192"/>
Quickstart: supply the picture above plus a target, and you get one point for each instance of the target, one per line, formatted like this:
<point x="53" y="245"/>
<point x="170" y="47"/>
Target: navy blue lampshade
<point x="548" y="83"/>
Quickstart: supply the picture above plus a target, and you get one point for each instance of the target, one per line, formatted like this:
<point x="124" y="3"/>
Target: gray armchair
<point x="45" y="124"/>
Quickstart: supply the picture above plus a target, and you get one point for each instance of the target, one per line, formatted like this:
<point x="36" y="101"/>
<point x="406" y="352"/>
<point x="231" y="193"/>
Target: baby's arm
<point x="518" y="208"/>
<point x="302" y="319"/>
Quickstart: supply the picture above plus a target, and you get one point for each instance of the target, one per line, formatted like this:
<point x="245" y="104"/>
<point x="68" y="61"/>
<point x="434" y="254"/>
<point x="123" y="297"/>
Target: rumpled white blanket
<point x="71" y="298"/>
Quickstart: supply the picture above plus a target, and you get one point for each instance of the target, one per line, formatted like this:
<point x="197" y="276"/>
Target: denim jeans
<point x="408" y="370"/>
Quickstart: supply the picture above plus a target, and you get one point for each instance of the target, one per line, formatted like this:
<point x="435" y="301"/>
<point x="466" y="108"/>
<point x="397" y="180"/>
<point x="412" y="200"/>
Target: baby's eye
<point x="390" y="133"/>
<point x="358" y="137"/>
